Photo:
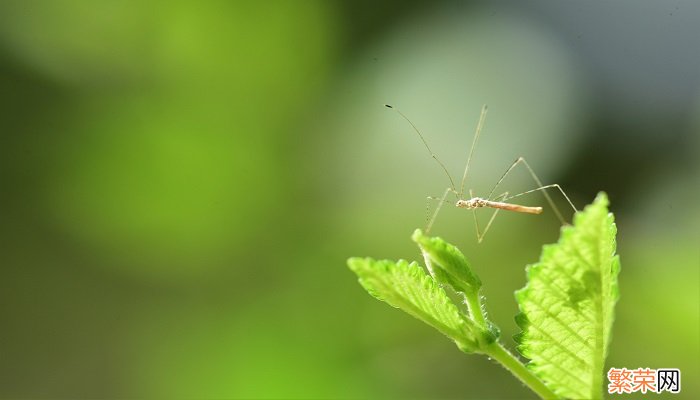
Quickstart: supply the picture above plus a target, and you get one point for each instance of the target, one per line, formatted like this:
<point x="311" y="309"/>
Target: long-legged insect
<point x="496" y="202"/>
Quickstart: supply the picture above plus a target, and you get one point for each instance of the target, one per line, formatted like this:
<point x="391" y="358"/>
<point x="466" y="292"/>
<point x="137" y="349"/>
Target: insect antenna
<point x="452" y="183"/>
<point x="479" y="126"/>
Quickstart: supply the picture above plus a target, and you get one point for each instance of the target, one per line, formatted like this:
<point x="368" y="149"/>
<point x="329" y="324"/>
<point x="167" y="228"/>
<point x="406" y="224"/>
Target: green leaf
<point x="567" y="306"/>
<point x="408" y="287"/>
<point x="446" y="263"/>
<point x="449" y="267"/>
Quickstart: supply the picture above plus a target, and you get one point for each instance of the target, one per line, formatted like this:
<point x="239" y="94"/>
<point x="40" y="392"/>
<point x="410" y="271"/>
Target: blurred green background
<point x="182" y="182"/>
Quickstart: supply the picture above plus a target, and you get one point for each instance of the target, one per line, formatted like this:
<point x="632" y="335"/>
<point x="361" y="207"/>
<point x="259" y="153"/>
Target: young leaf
<point x="447" y="264"/>
<point x="568" y="303"/>
<point x="449" y="267"/>
<point x="408" y="287"/>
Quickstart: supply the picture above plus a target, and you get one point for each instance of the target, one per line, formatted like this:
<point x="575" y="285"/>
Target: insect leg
<point x="480" y="235"/>
<point x="541" y="187"/>
<point x="477" y="133"/>
<point x="437" y="210"/>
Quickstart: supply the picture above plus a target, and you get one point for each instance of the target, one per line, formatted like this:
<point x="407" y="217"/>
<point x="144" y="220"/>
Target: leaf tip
<point x="601" y="199"/>
<point x="356" y="263"/>
<point x="521" y="320"/>
<point x="418" y="237"/>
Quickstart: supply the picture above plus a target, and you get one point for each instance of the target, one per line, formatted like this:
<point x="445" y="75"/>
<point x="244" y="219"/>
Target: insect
<point x="498" y="202"/>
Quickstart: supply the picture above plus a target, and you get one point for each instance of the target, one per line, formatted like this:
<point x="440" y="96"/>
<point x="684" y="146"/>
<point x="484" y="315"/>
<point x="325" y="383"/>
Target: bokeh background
<point x="182" y="182"/>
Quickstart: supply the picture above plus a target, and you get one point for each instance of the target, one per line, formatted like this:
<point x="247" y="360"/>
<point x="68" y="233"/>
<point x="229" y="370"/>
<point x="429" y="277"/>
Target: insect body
<point x="496" y="202"/>
<point x="478" y="202"/>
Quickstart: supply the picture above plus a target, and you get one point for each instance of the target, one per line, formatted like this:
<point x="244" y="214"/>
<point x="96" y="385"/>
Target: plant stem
<point x="474" y="304"/>
<point x="512" y="364"/>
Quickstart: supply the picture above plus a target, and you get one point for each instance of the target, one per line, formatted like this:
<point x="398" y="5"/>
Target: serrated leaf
<point x="567" y="306"/>
<point x="406" y="286"/>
